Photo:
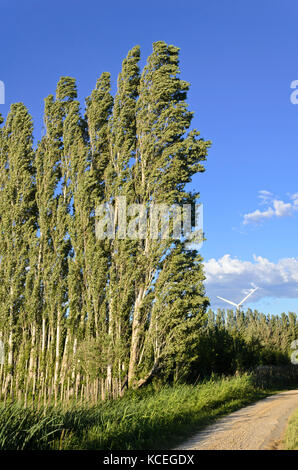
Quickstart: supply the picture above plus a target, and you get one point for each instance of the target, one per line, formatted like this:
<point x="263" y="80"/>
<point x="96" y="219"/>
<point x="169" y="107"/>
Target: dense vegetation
<point x="84" y="316"/>
<point x="230" y="341"/>
<point x="290" y="441"/>
<point x="145" y="419"/>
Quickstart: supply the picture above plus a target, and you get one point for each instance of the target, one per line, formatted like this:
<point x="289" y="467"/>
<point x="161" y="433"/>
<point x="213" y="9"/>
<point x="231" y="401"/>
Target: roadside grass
<point x="290" y="441"/>
<point x="147" y="419"/>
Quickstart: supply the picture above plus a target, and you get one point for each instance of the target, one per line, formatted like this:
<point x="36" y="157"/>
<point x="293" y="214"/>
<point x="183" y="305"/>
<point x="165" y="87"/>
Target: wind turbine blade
<point x="225" y="300"/>
<point x="245" y="298"/>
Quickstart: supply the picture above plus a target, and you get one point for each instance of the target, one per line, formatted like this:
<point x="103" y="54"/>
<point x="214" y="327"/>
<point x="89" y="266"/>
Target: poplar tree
<point x="18" y="225"/>
<point x="53" y="198"/>
<point x="119" y="183"/>
<point x="166" y="159"/>
<point x="96" y="253"/>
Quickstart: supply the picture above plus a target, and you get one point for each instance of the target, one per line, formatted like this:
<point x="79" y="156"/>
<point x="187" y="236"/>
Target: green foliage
<point x="144" y="419"/>
<point x="290" y="441"/>
<point x="237" y="341"/>
<point x="83" y="317"/>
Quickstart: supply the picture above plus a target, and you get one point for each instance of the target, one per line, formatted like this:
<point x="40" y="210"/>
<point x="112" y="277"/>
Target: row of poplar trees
<point x="84" y="318"/>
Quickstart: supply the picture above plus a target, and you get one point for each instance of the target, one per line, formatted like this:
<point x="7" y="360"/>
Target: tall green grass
<point x="147" y="419"/>
<point x="290" y="441"/>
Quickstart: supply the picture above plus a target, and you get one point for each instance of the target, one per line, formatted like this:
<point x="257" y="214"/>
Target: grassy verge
<point x="146" y="419"/>
<point x="290" y="441"/>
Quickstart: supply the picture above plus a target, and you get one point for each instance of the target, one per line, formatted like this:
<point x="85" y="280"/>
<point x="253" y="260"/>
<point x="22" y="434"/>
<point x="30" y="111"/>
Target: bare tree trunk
<point x="57" y="361"/>
<point x="135" y="339"/>
<point x="31" y="371"/>
<point x="10" y="363"/>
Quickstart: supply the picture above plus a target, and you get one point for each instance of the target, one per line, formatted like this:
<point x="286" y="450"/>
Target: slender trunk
<point x="32" y="359"/>
<point x="57" y="361"/>
<point x="135" y="339"/>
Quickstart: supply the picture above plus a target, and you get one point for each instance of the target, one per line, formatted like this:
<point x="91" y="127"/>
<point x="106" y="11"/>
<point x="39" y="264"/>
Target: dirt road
<point x="255" y="427"/>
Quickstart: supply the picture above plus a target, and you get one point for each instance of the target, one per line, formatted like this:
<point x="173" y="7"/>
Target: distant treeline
<point x="232" y="341"/>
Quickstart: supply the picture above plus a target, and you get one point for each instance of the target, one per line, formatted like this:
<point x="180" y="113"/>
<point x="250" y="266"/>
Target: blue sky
<point x="240" y="57"/>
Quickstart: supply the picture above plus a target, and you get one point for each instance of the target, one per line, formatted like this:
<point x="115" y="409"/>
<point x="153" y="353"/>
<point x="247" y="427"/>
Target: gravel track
<point x="256" y="427"/>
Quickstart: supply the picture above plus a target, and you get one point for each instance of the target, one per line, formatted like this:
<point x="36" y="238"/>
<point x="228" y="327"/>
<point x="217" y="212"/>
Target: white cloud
<point x="277" y="208"/>
<point x="282" y="209"/>
<point x="265" y="196"/>
<point x="257" y="216"/>
<point x="232" y="278"/>
<point x="294" y="197"/>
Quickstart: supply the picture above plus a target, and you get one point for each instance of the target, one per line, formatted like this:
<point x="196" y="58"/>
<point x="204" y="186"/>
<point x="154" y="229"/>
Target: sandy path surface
<point x="255" y="427"/>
